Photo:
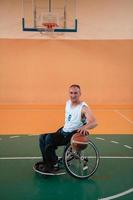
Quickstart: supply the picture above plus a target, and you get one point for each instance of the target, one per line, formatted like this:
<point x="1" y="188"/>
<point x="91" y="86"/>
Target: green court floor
<point x="113" y="179"/>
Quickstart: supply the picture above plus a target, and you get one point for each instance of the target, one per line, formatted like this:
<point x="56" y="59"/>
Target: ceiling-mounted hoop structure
<point x="38" y="12"/>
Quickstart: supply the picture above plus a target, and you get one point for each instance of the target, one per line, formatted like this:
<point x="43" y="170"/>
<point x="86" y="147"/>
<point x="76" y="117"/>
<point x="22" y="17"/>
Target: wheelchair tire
<point x="74" y="161"/>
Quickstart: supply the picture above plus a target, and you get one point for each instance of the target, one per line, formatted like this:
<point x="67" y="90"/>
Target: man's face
<point x="74" y="94"/>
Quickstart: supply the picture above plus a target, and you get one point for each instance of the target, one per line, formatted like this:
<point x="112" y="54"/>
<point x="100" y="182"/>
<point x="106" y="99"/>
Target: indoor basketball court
<point x="46" y="46"/>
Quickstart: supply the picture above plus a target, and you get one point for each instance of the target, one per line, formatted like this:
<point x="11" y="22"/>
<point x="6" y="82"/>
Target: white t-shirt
<point x="73" y="118"/>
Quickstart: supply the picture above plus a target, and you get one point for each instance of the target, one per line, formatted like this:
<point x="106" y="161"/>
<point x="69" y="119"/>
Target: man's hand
<point x="83" y="130"/>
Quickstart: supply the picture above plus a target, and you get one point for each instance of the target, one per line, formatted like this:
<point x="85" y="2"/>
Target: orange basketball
<point x="79" y="142"/>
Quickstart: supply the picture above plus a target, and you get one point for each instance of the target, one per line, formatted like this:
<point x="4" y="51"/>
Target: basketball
<point x="79" y="142"/>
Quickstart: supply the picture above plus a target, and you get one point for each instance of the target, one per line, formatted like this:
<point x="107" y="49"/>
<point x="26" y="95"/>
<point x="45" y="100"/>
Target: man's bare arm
<point x="91" y="120"/>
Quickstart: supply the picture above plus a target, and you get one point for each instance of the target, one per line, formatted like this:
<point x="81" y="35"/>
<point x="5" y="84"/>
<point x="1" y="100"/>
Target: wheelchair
<point x="81" y="164"/>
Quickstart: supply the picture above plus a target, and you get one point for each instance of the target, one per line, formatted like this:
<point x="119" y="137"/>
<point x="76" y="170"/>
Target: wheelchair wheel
<point x="81" y="164"/>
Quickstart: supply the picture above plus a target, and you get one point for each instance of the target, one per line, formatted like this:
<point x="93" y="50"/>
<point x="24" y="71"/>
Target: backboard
<point x="61" y="13"/>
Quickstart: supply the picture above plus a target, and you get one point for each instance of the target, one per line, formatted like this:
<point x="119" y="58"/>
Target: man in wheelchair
<point x="78" y="118"/>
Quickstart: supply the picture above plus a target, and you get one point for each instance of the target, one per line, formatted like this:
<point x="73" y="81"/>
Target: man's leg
<point x="50" y="156"/>
<point x="48" y="145"/>
<point x="59" y="139"/>
<point x="42" y="142"/>
<point x="46" y="140"/>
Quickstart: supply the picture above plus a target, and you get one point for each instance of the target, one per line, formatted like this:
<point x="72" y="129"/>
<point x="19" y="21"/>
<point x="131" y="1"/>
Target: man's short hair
<point x="75" y="85"/>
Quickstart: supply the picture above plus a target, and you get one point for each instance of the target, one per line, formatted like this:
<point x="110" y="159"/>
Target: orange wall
<point x="39" y="71"/>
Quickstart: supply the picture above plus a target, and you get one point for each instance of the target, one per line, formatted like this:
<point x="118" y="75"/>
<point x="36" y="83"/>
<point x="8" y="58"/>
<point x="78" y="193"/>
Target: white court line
<point x="14" y="136"/>
<point x="127" y="146"/>
<point x="31" y="110"/>
<point x="19" y="158"/>
<point x="98" y="138"/>
<point x="114" y="142"/>
<point x="116" y="157"/>
<point x="118" y="195"/>
<point x="111" y="109"/>
<point x="123" y="116"/>
<point x="33" y="135"/>
<point x="42" y="109"/>
<point x="32" y="158"/>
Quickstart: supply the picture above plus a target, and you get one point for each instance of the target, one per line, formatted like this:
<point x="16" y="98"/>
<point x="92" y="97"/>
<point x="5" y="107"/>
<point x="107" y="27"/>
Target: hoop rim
<point x="47" y="27"/>
<point x="50" y="25"/>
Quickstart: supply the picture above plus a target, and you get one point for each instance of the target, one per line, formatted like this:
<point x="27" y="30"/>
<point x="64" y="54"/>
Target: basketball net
<point x="49" y="26"/>
<point x="47" y="23"/>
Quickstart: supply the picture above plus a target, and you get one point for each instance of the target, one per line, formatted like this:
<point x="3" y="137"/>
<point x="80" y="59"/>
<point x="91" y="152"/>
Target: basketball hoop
<point x="47" y="27"/>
